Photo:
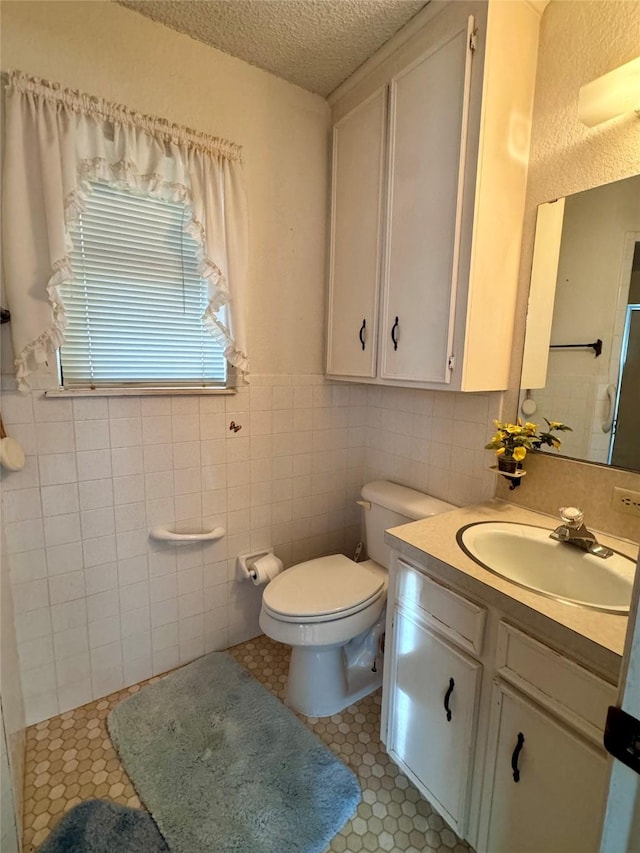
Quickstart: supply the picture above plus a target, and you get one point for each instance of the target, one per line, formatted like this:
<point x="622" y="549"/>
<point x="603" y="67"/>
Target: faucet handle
<point x="572" y="516"/>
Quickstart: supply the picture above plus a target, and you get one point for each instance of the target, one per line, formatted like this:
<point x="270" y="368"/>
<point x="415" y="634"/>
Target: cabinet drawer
<point x="456" y="617"/>
<point x="564" y="687"/>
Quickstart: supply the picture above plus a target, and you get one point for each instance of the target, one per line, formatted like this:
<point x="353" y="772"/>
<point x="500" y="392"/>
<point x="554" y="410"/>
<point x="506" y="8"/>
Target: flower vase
<point x="508" y="465"/>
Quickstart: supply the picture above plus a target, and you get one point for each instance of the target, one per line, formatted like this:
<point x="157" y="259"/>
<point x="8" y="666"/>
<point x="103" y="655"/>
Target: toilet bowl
<point x="331" y="610"/>
<point x="317" y="608"/>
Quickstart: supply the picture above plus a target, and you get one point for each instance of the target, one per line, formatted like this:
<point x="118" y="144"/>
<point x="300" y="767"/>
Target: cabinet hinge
<point x="473" y="40"/>
<point x="451" y="362"/>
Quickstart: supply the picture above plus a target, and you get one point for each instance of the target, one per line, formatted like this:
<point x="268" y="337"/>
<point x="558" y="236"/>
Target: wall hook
<point x="235" y="427"/>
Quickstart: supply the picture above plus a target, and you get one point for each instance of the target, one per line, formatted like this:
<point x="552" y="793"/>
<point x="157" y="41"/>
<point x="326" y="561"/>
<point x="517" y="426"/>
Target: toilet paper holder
<point x="243" y="561"/>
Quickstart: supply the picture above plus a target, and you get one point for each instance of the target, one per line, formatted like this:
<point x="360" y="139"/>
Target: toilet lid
<point x="323" y="587"/>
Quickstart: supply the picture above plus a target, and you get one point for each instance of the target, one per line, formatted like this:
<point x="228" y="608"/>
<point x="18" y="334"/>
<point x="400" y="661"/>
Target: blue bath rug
<point x="99" y="826"/>
<point x="224" y="767"/>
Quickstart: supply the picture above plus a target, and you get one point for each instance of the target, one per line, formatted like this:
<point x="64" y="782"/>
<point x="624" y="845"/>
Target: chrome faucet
<point x="573" y="531"/>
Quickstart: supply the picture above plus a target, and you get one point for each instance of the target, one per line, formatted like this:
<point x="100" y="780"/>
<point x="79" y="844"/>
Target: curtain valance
<point x="59" y="140"/>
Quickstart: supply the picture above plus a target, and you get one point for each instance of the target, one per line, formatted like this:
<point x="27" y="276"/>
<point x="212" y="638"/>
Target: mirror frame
<point x="547" y="247"/>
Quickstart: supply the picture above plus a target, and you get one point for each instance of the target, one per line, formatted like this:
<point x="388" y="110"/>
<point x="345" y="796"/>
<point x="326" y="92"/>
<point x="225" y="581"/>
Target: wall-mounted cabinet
<point x="429" y="174"/>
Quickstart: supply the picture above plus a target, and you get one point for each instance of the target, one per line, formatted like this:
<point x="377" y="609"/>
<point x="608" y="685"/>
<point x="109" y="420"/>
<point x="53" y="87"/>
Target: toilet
<point x="331" y="610"/>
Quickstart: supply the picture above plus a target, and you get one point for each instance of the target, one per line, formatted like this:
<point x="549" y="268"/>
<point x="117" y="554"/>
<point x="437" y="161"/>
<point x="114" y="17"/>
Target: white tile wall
<point x="100" y="606"/>
<point x="571" y="399"/>
<point x="430" y="440"/>
<point x="12" y="722"/>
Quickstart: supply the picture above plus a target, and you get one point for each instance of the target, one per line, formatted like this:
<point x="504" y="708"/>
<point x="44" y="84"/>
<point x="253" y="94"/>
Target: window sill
<point x="139" y="392"/>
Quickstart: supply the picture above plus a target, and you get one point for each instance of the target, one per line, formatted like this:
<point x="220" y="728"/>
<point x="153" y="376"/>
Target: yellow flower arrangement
<point x="512" y="441"/>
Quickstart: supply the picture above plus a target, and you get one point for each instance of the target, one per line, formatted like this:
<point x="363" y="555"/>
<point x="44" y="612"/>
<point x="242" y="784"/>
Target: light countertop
<point x="595" y="637"/>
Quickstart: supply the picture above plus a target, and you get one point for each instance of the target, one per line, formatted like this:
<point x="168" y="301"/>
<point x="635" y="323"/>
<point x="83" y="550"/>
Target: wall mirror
<point x="581" y="360"/>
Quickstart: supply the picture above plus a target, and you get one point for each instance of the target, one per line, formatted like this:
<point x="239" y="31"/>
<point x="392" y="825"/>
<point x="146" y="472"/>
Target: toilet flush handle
<point x="365" y="504"/>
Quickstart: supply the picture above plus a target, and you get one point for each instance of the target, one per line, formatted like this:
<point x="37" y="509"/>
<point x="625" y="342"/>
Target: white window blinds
<point x="135" y="303"/>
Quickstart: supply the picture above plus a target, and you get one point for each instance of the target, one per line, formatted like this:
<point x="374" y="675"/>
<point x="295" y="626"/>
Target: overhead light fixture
<point x="611" y="95"/>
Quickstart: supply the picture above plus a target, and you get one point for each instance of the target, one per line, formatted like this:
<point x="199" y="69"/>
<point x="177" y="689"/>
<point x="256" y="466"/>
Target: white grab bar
<point x="611" y="396"/>
<point x="162" y="534"/>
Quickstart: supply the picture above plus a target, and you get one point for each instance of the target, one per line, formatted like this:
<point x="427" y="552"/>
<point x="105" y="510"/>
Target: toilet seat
<point x="324" y="590"/>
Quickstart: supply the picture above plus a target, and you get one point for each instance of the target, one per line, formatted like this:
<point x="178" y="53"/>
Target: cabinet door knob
<point x="361" y="333"/>
<point x="515" y="756"/>
<point x="393" y="334"/>
<point x="447" y="696"/>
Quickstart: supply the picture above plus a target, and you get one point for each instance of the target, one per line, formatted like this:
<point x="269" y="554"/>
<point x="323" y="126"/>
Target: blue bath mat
<point x="224" y="767"/>
<point x="99" y="826"/>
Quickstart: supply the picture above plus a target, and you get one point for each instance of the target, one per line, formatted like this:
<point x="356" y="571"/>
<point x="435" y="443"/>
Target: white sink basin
<point x="526" y="556"/>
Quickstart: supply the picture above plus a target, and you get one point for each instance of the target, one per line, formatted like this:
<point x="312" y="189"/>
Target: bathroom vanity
<point x="495" y="697"/>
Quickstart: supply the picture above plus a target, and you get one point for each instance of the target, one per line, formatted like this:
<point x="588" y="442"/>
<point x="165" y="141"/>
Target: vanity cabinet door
<point x="556" y="805"/>
<point x="432" y="715"/>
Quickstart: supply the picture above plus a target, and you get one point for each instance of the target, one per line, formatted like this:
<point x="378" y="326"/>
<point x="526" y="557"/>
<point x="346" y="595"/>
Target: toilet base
<point x="320" y="683"/>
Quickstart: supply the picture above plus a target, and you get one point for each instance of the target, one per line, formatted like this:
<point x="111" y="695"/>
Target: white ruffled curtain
<point x="56" y="142"/>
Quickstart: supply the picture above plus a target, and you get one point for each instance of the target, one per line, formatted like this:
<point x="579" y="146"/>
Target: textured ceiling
<point x="315" y="44"/>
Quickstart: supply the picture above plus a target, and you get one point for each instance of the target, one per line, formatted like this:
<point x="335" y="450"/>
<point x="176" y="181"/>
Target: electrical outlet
<point x="625" y="500"/>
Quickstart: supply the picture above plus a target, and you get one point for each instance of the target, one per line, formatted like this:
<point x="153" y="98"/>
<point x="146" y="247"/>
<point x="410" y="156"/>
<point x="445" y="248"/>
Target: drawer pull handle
<point x="393" y="334"/>
<point x="447" y="696"/>
<point x="515" y="756"/>
<point x="361" y="333"/>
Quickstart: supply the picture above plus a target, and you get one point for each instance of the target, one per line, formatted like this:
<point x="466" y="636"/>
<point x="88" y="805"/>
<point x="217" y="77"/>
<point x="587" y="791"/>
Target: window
<point x="137" y="300"/>
<point x="134" y="307"/>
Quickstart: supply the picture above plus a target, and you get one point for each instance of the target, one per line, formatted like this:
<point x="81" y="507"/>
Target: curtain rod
<point x="110" y="111"/>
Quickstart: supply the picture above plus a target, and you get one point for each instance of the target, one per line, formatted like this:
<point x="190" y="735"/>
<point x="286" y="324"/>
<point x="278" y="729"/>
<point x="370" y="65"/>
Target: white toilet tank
<point x="391" y="505"/>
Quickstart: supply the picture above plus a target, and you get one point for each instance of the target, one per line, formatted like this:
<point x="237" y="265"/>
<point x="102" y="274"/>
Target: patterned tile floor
<point x="70" y="758"/>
